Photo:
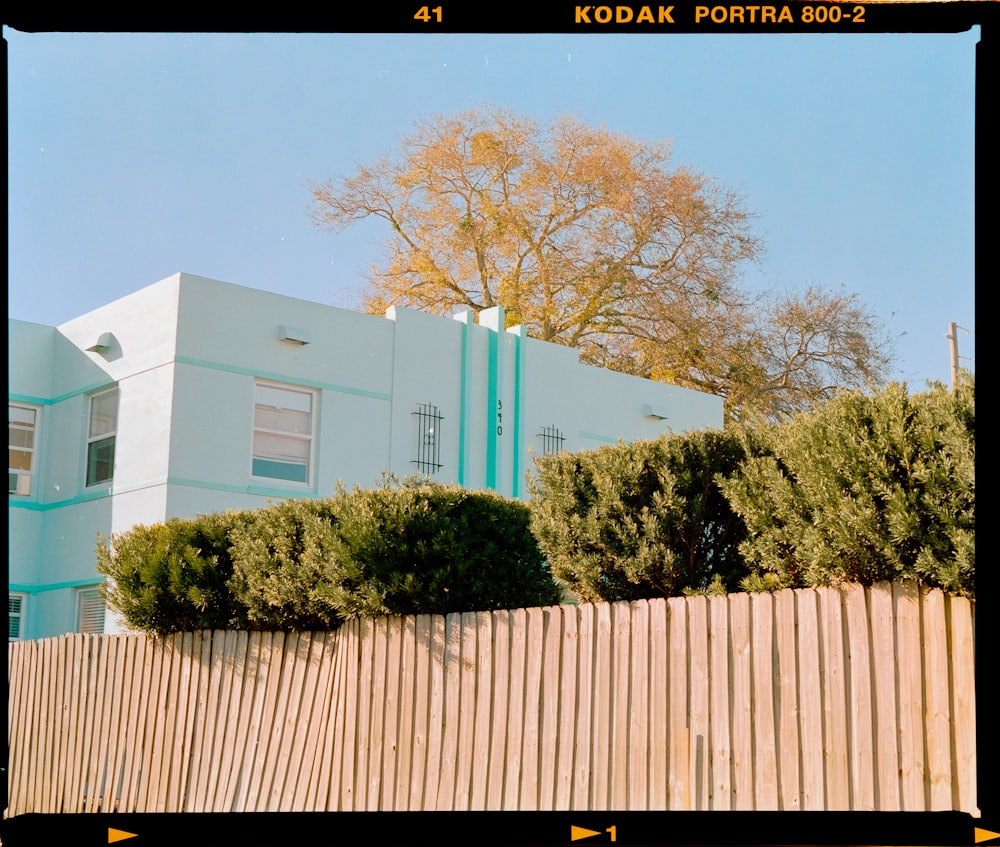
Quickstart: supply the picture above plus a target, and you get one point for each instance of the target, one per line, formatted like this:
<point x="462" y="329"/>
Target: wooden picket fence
<point x="851" y="699"/>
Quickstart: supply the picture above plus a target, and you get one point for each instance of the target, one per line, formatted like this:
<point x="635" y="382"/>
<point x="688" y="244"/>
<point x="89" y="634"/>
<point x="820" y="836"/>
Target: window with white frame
<point x="15" y="615"/>
<point x="282" y="432"/>
<point x="101" y="433"/>
<point x="22" y="427"/>
<point x="89" y="610"/>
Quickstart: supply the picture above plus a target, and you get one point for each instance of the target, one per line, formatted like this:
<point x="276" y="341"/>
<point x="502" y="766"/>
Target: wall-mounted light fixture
<point x="659" y="412"/>
<point x="105" y="342"/>
<point x="293" y="334"/>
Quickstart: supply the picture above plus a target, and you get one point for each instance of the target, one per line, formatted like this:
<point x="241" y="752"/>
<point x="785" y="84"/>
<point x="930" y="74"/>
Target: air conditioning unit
<point x="18" y="482"/>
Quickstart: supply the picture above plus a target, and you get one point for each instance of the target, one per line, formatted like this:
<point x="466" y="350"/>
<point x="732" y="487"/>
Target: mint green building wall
<point x="186" y="353"/>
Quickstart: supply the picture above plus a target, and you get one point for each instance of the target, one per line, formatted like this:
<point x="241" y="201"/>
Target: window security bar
<point x="429" y="419"/>
<point x="552" y="440"/>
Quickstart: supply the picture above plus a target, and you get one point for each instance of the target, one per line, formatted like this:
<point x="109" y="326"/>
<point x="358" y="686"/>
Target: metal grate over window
<point x="428" y="438"/>
<point x="552" y="440"/>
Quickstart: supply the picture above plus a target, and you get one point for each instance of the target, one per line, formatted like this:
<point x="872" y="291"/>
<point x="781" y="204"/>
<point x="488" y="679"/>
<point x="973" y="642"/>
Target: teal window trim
<point x="96" y="387"/>
<point x="55" y="586"/>
<point x="282" y="378"/>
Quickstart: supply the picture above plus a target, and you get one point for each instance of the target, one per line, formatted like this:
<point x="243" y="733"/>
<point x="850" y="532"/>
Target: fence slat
<point x="810" y="701"/>
<point x="582" y="744"/>
<point x="659" y="705"/>
<point x="549" y="746"/>
<point x="834" y="701"/>
<point x="468" y="638"/>
<point x="678" y="778"/>
<point x="568" y="694"/>
<point x="961" y="634"/>
<point x="600" y="776"/>
<point x="906" y="598"/>
<point x="532" y="696"/>
<point x="638" y="708"/>
<point x="934" y="635"/>
<point x="435" y="717"/>
<point x="884" y="692"/>
<point x="718" y="656"/>
<point x="765" y="768"/>
<point x="698" y="738"/>
<point x="450" y="724"/>
<point x="787" y="708"/>
<point x="348" y="645"/>
<point x="481" y="733"/>
<point x="621" y="636"/>
<point x="859" y="693"/>
<point x="421" y="683"/>
<point x="366" y="635"/>
<point x="498" y="725"/>
<point x="390" y="722"/>
<point x="741" y="671"/>
<point x="515" y="709"/>
<point x="406" y="700"/>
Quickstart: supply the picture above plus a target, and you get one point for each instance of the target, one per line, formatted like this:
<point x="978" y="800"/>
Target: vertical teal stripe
<point x="518" y="385"/>
<point x="491" y="411"/>
<point x="463" y="411"/>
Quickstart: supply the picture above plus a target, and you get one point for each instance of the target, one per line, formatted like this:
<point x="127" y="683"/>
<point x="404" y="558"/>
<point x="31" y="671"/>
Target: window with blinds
<point x="15" y="616"/>
<point x="89" y="611"/>
<point x="282" y="433"/>
<point x="22" y="422"/>
<point x="101" y="437"/>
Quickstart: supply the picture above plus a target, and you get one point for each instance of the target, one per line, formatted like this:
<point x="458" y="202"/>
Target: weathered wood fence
<point x="850" y="699"/>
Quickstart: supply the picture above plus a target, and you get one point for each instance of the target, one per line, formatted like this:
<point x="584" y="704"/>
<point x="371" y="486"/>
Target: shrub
<point x="403" y="548"/>
<point x="285" y="565"/>
<point x="173" y="576"/>
<point x="640" y="520"/>
<point x="410" y="548"/>
<point x="865" y="489"/>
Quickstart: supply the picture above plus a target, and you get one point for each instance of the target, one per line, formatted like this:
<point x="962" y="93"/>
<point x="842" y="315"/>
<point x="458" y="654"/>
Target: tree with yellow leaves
<point x="592" y="240"/>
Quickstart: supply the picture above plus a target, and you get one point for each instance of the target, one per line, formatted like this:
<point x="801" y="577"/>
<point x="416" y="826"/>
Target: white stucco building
<point x="193" y="396"/>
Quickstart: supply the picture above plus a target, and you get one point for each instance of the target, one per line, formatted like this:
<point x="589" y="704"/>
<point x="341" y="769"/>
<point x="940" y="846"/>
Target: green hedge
<point x="175" y="576"/>
<point x="865" y="489"/>
<point x="402" y="548"/>
<point x="639" y="520"/>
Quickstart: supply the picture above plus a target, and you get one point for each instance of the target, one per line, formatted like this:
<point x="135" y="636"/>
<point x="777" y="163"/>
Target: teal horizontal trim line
<point x="51" y="401"/>
<point x="257" y="490"/>
<point x="292" y="380"/>
<point x="596" y="437"/>
<point x="33" y="506"/>
<point x="55" y="586"/>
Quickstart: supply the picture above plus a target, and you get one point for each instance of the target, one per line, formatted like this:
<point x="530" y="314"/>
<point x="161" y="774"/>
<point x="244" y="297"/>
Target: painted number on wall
<point x="499" y="417"/>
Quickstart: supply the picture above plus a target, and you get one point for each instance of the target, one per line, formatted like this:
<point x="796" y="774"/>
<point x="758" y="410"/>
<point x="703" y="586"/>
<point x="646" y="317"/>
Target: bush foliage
<point x="174" y="576"/>
<point x="401" y="548"/>
<point x="639" y="520"/>
<point x="865" y="489"/>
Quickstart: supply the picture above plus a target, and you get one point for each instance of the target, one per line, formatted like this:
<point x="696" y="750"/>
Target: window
<point x="101" y="437"/>
<point x="15" y="617"/>
<point x="89" y="611"/>
<point x="22" y="424"/>
<point x="282" y="433"/>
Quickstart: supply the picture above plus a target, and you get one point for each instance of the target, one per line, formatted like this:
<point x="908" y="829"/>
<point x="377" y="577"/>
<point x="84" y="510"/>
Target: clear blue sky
<point x="134" y="156"/>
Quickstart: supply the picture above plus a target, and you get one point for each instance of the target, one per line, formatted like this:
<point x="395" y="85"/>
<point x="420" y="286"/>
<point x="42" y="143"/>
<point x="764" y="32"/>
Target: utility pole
<point x="952" y="336"/>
